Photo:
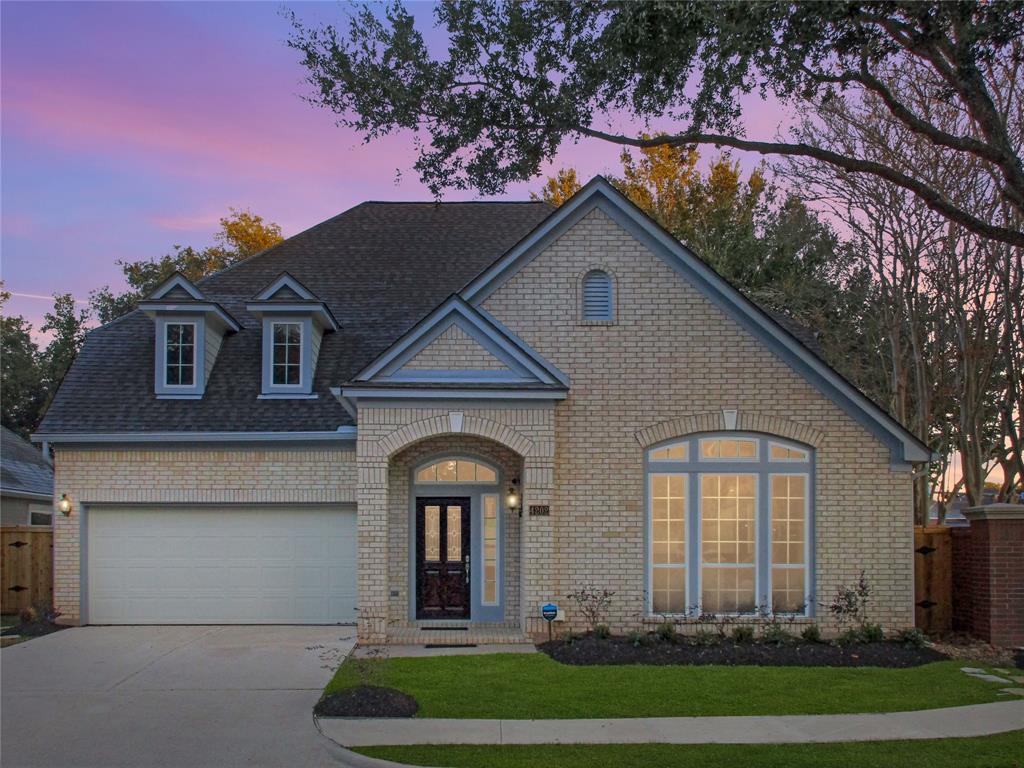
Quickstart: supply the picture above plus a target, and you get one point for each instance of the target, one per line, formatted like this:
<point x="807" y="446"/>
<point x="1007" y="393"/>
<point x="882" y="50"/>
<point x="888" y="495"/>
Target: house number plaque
<point x="540" y="510"/>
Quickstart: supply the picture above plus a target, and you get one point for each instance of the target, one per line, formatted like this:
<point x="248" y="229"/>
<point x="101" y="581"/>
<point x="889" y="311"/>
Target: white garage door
<point x="231" y="565"/>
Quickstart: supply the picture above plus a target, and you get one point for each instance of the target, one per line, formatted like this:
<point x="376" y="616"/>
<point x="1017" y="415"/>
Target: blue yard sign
<point x="549" y="611"/>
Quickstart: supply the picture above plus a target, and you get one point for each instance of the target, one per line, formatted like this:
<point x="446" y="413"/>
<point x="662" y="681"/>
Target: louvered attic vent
<point x="597" y="296"/>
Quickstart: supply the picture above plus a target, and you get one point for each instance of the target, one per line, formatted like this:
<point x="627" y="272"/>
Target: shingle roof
<point x="23" y="469"/>
<point x="379" y="267"/>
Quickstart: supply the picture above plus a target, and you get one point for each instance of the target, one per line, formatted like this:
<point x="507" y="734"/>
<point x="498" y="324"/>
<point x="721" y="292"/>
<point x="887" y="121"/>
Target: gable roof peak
<point x="176" y="282"/>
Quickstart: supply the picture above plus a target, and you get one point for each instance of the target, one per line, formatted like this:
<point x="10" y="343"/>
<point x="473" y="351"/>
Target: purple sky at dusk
<point x="130" y="127"/>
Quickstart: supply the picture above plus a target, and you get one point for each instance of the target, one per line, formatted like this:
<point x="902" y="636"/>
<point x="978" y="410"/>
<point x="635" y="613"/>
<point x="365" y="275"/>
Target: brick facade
<point x="454" y="350"/>
<point x="230" y="475"/>
<point x="988" y="575"/>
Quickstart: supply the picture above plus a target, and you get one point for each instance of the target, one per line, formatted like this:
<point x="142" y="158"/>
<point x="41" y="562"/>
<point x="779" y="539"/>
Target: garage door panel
<point x="216" y="565"/>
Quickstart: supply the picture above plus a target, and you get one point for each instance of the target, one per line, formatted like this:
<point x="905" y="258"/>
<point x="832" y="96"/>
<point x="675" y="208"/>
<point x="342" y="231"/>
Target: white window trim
<point x="302" y="355"/>
<point x="650" y="544"/>
<point x="497" y="550"/>
<point x="195" y="356"/>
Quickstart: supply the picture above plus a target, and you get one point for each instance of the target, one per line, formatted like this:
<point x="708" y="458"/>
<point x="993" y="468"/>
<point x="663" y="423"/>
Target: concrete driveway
<point x="168" y="696"/>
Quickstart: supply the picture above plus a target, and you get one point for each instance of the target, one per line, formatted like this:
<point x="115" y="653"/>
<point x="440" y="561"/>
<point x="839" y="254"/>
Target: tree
<point x="68" y="327"/>
<point x="558" y="188"/>
<point x="518" y="79"/>
<point x="20" y="373"/>
<point x="242" y="235"/>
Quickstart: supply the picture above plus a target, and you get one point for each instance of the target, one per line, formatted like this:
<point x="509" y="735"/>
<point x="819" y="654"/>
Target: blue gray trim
<point x="209" y="308"/>
<point x="284" y="280"/>
<point x="599" y="193"/>
<point x="693" y="468"/>
<point x="342" y="434"/>
<point x="475" y="492"/>
<point x="426" y="393"/>
<point x="481" y="327"/>
<point x="191" y="391"/>
<point x="305" y="385"/>
<point x="177" y="280"/>
<point x="315" y="309"/>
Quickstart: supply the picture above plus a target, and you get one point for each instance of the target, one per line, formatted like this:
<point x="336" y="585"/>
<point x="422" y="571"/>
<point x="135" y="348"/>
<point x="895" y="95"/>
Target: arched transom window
<point x="729" y="525"/>
<point x="456" y="471"/>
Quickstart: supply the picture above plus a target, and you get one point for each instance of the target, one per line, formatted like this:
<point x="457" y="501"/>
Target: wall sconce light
<point x="64" y="505"/>
<point x="512" y="498"/>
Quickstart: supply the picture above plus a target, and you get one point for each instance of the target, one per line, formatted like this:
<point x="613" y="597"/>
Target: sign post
<point x="549" y="612"/>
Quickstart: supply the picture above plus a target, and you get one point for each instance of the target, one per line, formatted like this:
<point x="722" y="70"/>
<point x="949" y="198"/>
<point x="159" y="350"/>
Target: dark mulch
<point x="36" y="628"/>
<point x="619" y="650"/>
<point x="366" y="701"/>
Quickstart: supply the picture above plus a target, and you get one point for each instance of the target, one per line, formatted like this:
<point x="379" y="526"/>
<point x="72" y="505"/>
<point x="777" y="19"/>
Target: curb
<point x="349" y="759"/>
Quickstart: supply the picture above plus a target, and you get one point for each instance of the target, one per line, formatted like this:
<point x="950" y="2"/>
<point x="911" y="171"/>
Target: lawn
<point x="525" y="686"/>
<point x="1002" y="751"/>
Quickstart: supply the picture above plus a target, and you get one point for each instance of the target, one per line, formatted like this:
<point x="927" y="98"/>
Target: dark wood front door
<point x="442" y="558"/>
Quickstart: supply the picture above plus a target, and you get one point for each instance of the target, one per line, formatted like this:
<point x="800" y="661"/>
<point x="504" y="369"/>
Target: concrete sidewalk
<point x="975" y="720"/>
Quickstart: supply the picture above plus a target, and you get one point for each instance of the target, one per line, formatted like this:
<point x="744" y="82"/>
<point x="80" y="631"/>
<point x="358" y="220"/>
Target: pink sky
<point x="130" y="127"/>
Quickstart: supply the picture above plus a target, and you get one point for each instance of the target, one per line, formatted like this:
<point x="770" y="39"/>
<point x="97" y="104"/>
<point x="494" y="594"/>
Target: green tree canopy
<point x="520" y="78"/>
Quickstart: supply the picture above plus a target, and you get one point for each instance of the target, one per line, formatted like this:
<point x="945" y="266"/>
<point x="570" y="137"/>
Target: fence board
<point x="933" y="579"/>
<point x="26" y="567"/>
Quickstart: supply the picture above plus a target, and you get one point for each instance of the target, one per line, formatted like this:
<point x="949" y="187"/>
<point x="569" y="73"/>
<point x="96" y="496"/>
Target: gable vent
<point x="597" y="296"/>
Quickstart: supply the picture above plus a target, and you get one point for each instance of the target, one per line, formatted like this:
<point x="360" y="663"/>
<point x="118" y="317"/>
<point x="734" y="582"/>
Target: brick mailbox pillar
<point x="988" y="574"/>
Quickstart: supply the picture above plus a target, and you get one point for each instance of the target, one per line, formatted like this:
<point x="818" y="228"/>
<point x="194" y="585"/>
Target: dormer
<point x="189" y="332"/>
<point x="294" y="323"/>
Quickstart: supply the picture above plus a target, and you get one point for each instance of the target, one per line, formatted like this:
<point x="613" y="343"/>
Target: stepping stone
<point x="972" y="670"/>
<point x="1014" y="691"/>
<point x="999" y="671"/>
<point x="990" y="678"/>
<point x="1017" y="679"/>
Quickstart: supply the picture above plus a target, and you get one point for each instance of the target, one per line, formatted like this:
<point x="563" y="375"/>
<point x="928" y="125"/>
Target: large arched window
<point x="729" y="525"/>
<point x="456" y="471"/>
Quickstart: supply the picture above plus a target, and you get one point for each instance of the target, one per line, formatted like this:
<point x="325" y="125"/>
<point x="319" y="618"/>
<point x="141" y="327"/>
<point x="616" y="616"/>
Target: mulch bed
<point x="619" y="650"/>
<point x="36" y="628"/>
<point x="366" y="701"/>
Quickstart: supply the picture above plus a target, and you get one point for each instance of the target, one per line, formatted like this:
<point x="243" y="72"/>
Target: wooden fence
<point x="26" y="567"/>
<point x="933" y="579"/>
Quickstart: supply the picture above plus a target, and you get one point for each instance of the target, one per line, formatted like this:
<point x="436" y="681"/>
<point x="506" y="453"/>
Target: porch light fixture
<point x="64" y="505"/>
<point x="512" y="498"/>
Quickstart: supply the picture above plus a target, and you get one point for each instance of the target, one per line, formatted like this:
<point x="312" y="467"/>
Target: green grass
<point x="524" y="686"/>
<point x="1001" y="751"/>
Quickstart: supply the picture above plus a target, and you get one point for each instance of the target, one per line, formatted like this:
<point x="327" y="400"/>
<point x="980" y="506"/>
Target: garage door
<point x="233" y="565"/>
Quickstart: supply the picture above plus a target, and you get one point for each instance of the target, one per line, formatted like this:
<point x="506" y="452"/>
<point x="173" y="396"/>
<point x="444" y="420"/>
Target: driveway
<point x="168" y="696"/>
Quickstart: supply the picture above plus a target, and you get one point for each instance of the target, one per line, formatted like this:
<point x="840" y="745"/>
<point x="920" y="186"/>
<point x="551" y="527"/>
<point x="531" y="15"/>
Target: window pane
<point x="784" y="453"/>
<point x="432" y="533"/>
<point x="668" y="514"/>
<point x="490" y="514"/>
<point x="668" y="590"/>
<point x="728" y="590"/>
<point x="728" y="512"/>
<point x="788" y="590"/>
<point x="465" y="472"/>
<point x="788" y="505"/>
<point x="722" y="448"/>
<point x="485" y="474"/>
<point x="670" y="453"/>
<point x="446" y="472"/>
<point x="185" y="375"/>
<point x="454" y="534"/>
<point x="427" y="474"/>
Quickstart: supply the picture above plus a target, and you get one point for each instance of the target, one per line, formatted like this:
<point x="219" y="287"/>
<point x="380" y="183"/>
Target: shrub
<point x="571" y="636"/>
<point x="704" y="637"/>
<point x="602" y="631"/>
<point x="667" y="631"/>
<point x="849" y="637"/>
<point x="592" y="604"/>
<point x="775" y="634"/>
<point x="872" y="633"/>
<point x="28" y="615"/>
<point x="849" y="607"/>
<point x="811" y="633"/>
<point x="743" y="634"/>
<point x="913" y="636"/>
<point x="640" y="639"/>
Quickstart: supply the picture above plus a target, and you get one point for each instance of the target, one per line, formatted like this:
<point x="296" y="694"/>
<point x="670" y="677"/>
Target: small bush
<point x="849" y="637"/>
<point x="28" y="615"/>
<point x="914" y="637"/>
<point x="592" y="603"/>
<point x="811" y="633"/>
<point x="775" y="634"/>
<point x="602" y="631"/>
<point x="571" y="636"/>
<point x="704" y="637"/>
<point x="667" y="631"/>
<point x="640" y="639"/>
<point x="872" y="633"/>
<point x="743" y="634"/>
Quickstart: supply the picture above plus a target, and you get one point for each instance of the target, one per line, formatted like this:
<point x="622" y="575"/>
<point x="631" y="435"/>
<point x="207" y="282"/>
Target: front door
<point x="442" y="558"/>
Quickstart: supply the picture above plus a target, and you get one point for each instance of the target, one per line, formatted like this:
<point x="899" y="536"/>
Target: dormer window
<point x="286" y="369"/>
<point x="180" y="344"/>
<point x="189" y="331"/>
<point x="293" y="322"/>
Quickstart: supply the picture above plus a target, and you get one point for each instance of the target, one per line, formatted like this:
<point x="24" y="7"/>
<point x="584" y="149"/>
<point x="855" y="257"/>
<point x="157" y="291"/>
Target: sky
<point x="126" y="128"/>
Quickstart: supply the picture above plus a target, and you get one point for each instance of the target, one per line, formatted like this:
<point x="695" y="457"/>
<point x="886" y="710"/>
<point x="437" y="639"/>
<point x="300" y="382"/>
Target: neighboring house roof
<point x="381" y="269"/>
<point x="24" y="471"/>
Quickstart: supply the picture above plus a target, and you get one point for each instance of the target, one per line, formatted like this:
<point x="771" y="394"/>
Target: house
<point x="26" y="482"/>
<point x="419" y="415"/>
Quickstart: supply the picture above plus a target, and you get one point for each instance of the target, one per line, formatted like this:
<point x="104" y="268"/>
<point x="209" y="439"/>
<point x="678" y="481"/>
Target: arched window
<point x="730" y="525"/>
<point x="456" y="471"/>
<point x="597" y="302"/>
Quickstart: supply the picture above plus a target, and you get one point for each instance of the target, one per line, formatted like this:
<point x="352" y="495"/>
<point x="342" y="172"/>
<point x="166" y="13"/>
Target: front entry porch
<point x="456" y="634"/>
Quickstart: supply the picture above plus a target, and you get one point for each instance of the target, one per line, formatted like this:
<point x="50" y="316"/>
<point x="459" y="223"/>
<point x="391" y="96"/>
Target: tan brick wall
<point x="454" y="349"/>
<point x="673" y="354"/>
<point x="96" y="476"/>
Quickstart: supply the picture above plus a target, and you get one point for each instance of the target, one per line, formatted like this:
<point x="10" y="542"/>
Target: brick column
<point x="538" y="547"/>
<point x="988" y="574"/>
<point x="373" y="541"/>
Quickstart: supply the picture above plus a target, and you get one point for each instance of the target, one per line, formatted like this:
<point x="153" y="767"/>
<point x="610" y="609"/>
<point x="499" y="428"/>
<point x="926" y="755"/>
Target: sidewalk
<point x="975" y="720"/>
